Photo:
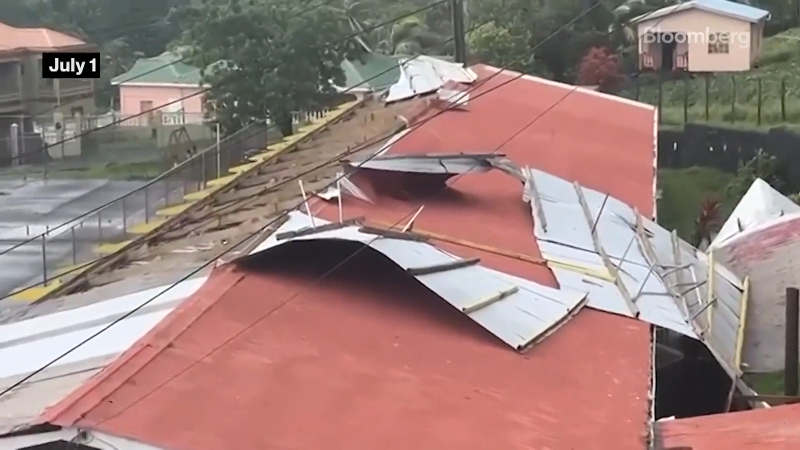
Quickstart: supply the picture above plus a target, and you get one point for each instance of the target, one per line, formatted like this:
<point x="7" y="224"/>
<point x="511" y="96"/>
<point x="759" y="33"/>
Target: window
<point x="719" y="43"/>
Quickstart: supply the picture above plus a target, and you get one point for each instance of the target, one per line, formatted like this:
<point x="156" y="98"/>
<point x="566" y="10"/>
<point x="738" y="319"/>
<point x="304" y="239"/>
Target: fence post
<point x="100" y="224"/>
<point x="74" y="245"/>
<point x="790" y="372"/>
<point x="733" y="99"/>
<point x="660" y="96"/>
<point x="147" y="204"/>
<point x="219" y="155"/>
<point x="685" y="100"/>
<point x="708" y="115"/>
<point x="783" y="99"/>
<point x="44" y="258"/>
<point x="124" y="217"/>
<point x="759" y="101"/>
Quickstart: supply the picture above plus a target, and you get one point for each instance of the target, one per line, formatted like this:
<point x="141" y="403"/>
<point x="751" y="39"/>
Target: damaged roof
<point x="286" y="343"/>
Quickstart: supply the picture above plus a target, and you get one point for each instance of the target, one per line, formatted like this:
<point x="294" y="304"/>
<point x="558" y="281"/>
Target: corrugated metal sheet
<point x="438" y="164"/>
<point x="662" y="279"/>
<point x="565" y="236"/>
<point x="515" y="310"/>
<point x="28" y="345"/>
<point x="424" y="74"/>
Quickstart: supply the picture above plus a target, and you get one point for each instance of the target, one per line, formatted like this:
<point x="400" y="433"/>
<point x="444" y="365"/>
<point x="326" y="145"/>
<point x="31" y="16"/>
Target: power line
<point x="199" y="155"/>
<point x="272" y="222"/>
<point x="204" y="90"/>
<point x="105" y="205"/>
<point x="172" y="63"/>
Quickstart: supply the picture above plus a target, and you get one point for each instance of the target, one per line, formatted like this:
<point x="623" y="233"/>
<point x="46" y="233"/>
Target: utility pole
<point x="459" y="33"/>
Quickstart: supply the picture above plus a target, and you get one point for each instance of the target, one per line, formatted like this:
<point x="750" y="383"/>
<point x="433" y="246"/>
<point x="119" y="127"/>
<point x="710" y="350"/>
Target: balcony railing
<point x="646" y="61"/>
<point x="66" y="88"/>
<point x="682" y="61"/>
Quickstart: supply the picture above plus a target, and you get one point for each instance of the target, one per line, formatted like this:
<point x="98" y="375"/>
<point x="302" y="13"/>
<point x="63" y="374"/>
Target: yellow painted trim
<point x="711" y="291"/>
<point x="72" y="269"/>
<point x="740" y="331"/>
<point x="146" y="228"/>
<point x="173" y="210"/>
<point x="35" y="293"/>
<point x="261" y="157"/>
<point x="219" y="182"/>
<point x="242" y="169"/>
<point x="199" y="195"/>
<point x="110" y="248"/>
<point x="572" y="266"/>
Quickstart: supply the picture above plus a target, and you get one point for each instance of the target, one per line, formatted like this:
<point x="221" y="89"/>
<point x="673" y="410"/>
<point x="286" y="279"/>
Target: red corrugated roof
<point x="775" y="428"/>
<point x="353" y="364"/>
<point x="38" y="39"/>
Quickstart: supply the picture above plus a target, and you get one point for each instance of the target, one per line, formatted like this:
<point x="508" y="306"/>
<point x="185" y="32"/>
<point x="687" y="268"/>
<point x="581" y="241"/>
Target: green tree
<point x="497" y="45"/>
<point x="266" y="59"/>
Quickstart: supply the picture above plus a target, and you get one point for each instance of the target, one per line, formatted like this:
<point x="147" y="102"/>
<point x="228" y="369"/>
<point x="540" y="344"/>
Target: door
<point x="668" y="47"/>
<point x="146" y="112"/>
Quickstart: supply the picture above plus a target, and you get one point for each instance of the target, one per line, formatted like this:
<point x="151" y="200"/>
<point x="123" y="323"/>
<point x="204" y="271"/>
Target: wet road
<point x="31" y="207"/>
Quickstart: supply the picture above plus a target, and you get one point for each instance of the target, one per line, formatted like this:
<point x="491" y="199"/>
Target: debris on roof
<point x="631" y="266"/>
<point x="434" y="164"/>
<point x="424" y="75"/>
<point x="760" y="204"/>
<point x="515" y="310"/>
<point x="581" y="228"/>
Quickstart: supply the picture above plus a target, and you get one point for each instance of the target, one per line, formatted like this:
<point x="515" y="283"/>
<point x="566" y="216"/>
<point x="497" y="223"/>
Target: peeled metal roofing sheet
<point x="528" y="312"/>
<point x="437" y="164"/>
<point x="425" y="74"/>
<point x="566" y="237"/>
<point x="30" y="344"/>
<point x="667" y="291"/>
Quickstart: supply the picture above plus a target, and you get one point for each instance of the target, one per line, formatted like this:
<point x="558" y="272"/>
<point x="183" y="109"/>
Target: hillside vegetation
<point x="767" y="96"/>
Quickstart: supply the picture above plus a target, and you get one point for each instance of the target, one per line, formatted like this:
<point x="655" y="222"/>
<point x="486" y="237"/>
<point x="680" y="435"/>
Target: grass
<point x="734" y="98"/>
<point x="766" y="383"/>
<point x="682" y="192"/>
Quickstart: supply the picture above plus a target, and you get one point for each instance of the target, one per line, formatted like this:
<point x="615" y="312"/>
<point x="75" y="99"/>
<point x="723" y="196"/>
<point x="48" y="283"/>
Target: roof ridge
<point x="67" y="412"/>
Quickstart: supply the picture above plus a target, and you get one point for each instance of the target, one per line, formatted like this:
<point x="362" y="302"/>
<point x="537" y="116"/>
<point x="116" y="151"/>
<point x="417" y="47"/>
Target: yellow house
<point x="701" y="36"/>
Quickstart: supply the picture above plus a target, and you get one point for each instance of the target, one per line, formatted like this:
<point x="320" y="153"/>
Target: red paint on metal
<point x="354" y="364"/>
<point x="761" y="244"/>
<point x="775" y="428"/>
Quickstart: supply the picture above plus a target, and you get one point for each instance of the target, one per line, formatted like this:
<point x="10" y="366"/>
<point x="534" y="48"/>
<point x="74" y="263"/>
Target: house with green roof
<point x="163" y="83"/>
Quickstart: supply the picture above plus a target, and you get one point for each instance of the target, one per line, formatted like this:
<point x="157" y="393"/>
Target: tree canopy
<point x="280" y="59"/>
<point x="268" y="58"/>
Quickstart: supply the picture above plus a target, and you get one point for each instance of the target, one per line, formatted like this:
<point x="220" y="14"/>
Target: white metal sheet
<point x="522" y="317"/>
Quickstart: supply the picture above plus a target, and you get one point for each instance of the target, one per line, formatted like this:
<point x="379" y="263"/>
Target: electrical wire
<point x="371" y="142"/>
<point x="105" y="205"/>
<point x="265" y="227"/>
<point x="172" y="63"/>
<point x="224" y="82"/>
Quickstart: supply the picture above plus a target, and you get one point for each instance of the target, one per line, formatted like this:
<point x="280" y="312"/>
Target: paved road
<point x="30" y="207"/>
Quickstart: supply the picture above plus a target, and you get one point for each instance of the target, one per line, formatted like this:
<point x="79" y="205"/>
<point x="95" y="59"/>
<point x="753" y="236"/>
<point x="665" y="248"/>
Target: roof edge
<point x="681" y="7"/>
<point x="68" y="412"/>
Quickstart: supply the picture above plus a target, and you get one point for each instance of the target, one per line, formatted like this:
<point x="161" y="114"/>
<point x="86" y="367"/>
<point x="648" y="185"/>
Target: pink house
<point x="701" y="36"/>
<point x="163" y="87"/>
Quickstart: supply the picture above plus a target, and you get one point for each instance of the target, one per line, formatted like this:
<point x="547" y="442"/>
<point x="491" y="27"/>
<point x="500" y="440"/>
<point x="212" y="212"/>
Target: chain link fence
<point x="73" y="244"/>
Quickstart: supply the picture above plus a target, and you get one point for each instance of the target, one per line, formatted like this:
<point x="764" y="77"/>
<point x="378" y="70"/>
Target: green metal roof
<point x="372" y="71"/>
<point x="164" y="68"/>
